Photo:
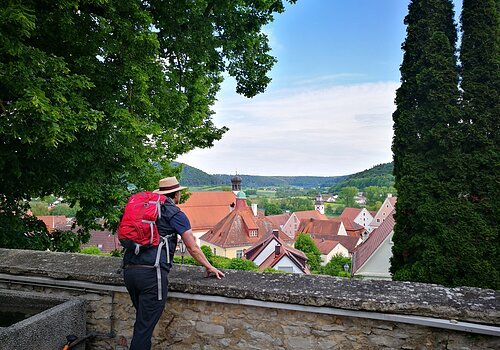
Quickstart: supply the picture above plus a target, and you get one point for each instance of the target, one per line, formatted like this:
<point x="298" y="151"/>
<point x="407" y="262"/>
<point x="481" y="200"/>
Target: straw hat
<point x="168" y="185"/>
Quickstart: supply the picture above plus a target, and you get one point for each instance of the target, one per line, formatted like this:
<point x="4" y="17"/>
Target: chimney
<point x="277" y="249"/>
<point x="254" y="209"/>
<point x="275" y="233"/>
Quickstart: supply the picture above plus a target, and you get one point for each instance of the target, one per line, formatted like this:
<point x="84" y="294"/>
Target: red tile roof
<point x="205" y="209"/>
<point x="325" y="246"/>
<point x="310" y="214"/>
<point x="368" y="247"/>
<point x="350" y="213"/>
<point x="347" y="241"/>
<point x="278" y="220"/>
<point x="323" y="227"/>
<point x="352" y="228"/>
<point x="56" y="222"/>
<point x="105" y="240"/>
<point x="233" y="230"/>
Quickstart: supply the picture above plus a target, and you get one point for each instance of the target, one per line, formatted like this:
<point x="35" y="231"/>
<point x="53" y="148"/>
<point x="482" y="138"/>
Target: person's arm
<point x="197" y="254"/>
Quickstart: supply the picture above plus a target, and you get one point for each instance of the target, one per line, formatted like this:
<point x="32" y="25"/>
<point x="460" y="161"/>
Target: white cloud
<point x="327" y="131"/>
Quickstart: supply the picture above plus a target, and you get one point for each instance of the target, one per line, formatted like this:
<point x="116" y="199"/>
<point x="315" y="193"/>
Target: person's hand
<point x="213" y="272"/>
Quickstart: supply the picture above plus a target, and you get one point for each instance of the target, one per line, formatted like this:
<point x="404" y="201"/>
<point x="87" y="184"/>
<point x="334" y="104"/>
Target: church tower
<point x="236" y="184"/>
<point x="319" y="204"/>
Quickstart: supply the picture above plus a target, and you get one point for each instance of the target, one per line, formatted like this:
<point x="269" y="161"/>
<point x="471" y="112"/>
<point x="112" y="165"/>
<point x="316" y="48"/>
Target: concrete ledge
<point x="48" y="327"/>
<point x="405" y="298"/>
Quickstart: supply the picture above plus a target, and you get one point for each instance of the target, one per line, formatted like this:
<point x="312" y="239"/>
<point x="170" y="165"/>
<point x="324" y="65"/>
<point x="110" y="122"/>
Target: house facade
<point x="387" y="207"/>
<point x="273" y="252"/>
<point x="360" y="216"/>
<point x="371" y="259"/>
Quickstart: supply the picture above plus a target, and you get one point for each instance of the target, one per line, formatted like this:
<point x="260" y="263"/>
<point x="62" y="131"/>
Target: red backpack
<point x="138" y="225"/>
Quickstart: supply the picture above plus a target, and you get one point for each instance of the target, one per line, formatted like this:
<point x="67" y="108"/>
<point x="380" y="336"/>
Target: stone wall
<point x="265" y="311"/>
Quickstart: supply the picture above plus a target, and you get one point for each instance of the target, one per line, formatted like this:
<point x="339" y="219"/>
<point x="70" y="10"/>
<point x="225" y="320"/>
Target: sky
<point x="328" y="109"/>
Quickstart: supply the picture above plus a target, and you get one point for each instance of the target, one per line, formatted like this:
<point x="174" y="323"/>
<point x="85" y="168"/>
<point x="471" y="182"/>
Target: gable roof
<point x="350" y="213"/>
<point x="365" y="250"/>
<point x="348" y="242"/>
<point x="205" y="209"/>
<point x="232" y="230"/>
<point x="296" y="256"/>
<point x="310" y="214"/>
<point x="325" y="246"/>
<point x="278" y="220"/>
<point x="324" y="227"/>
<point x="352" y="228"/>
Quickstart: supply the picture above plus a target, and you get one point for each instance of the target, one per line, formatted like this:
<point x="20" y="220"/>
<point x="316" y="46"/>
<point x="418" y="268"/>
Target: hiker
<point x="148" y="285"/>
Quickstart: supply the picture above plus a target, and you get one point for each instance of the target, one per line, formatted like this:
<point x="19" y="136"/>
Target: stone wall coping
<point x="406" y="298"/>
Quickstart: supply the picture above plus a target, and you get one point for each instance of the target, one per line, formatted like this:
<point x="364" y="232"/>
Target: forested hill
<point x="195" y="177"/>
<point x="380" y="175"/>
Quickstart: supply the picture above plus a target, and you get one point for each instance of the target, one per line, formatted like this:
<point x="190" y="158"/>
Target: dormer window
<point x="253" y="233"/>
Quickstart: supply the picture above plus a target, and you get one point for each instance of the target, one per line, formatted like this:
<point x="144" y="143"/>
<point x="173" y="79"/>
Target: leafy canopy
<point x="96" y="95"/>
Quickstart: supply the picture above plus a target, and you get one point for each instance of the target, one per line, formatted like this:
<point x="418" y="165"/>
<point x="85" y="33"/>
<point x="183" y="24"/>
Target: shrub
<point x="241" y="264"/>
<point x="92" y="250"/>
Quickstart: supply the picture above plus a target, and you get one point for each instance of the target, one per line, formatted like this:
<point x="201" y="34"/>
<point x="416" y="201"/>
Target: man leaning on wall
<point x="147" y="290"/>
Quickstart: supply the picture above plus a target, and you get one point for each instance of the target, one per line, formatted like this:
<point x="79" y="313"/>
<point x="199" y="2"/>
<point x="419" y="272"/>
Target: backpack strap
<point x="163" y="242"/>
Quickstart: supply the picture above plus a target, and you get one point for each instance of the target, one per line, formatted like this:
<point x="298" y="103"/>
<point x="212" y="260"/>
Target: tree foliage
<point x="347" y="195"/>
<point x="480" y="102"/>
<point x="436" y="238"/>
<point x="97" y="95"/>
<point x="306" y="244"/>
<point x="335" y="267"/>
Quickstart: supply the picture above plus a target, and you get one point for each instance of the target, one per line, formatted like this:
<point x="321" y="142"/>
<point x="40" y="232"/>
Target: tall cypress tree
<point x="480" y="72"/>
<point x="425" y="148"/>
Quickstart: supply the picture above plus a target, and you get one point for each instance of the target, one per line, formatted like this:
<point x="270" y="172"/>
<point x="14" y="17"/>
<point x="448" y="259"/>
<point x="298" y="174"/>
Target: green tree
<point x="335" y="267"/>
<point x="480" y="84"/>
<point x="208" y="252"/>
<point x="347" y="196"/>
<point x="97" y="95"/>
<point x="306" y="244"/>
<point x="426" y="153"/>
<point x="294" y="204"/>
<point x="64" y="210"/>
<point x="270" y="207"/>
<point x="39" y="208"/>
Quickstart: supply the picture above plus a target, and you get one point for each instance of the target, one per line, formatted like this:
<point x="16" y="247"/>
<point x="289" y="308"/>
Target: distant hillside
<point x="254" y="181"/>
<point x="379" y="175"/>
<point x="195" y="177"/>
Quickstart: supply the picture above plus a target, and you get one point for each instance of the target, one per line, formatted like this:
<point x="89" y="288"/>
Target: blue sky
<point x="328" y="110"/>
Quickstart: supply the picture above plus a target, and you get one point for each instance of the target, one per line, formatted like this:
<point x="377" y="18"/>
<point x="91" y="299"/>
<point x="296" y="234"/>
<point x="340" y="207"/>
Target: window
<point x="285" y="268"/>
<point x="239" y="254"/>
<point x="378" y="220"/>
<point x="253" y="233"/>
